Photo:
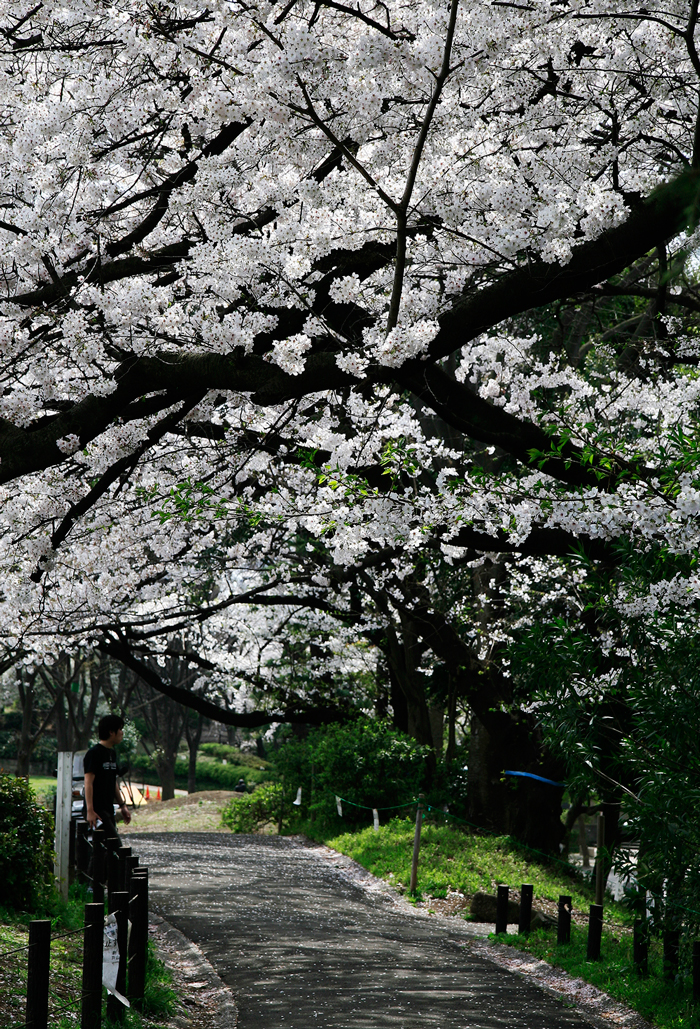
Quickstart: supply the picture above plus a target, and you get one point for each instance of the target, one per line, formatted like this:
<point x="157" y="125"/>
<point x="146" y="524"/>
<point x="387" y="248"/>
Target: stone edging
<point x="598" y="1007"/>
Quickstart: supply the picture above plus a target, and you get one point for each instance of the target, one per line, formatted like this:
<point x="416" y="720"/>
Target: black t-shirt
<point x="103" y="762"/>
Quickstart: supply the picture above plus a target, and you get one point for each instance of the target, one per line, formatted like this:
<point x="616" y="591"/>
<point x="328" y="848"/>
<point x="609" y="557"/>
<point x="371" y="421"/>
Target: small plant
<point x="251" y="812"/>
<point x="26" y="844"/>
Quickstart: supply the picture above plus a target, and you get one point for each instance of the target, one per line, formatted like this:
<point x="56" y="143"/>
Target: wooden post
<point x="525" y="909"/>
<point x="696" y="971"/>
<point x="124" y="854"/>
<point x="38" y="973"/>
<point x="564" y="920"/>
<point x="138" y="938"/>
<point x="120" y="899"/>
<point x="640" y="947"/>
<point x="64" y="804"/>
<point x="599" y="860"/>
<point x="671" y="948"/>
<point x="82" y="849"/>
<point x="99" y="865"/>
<point x="416" y="845"/>
<point x="279" y="821"/>
<point x="595" y="932"/>
<point x="112" y="869"/>
<point x="502" y="910"/>
<point x="91" y="1008"/>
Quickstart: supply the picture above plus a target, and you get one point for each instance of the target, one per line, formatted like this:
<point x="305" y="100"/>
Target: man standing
<point x="101" y="789"/>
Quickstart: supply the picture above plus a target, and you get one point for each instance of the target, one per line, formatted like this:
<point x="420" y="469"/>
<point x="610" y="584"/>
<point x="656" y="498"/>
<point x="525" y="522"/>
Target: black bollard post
<point x="502" y="910"/>
<point x="124" y="855"/>
<point x="91" y="1008"/>
<point x="98" y="865"/>
<point x="115" y="1008"/>
<point x="564" y="920"/>
<point x="138" y="939"/>
<point x="38" y="973"/>
<point x="696" y="971"/>
<point x="112" y="860"/>
<point x="671" y="948"/>
<point x="82" y="849"/>
<point x="595" y="932"/>
<point x="526" y="891"/>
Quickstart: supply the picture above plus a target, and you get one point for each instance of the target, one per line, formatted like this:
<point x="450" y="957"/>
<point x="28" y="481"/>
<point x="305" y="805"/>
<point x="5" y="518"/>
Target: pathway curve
<point x="303" y="946"/>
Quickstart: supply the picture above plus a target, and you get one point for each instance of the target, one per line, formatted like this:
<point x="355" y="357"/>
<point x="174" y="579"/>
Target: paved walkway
<point x="304" y="947"/>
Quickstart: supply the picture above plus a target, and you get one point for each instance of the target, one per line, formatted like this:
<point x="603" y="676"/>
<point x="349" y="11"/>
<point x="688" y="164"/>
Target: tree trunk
<point x="521" y="807"/>
<point x="193" y="735"/>
<point x="165" y="764"/>
<point x="25" y="740"/>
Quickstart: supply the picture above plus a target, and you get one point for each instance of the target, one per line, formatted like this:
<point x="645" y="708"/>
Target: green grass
<point x="666" y="1004"/>
<point x="452" y="858"/>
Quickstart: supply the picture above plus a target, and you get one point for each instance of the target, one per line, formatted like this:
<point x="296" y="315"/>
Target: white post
<point x="64" y="804"/>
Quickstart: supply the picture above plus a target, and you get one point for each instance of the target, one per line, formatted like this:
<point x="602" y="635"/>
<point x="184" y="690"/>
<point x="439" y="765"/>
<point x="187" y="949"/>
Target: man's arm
<point x="121" y="802"/>
<point x="91" y="813"/>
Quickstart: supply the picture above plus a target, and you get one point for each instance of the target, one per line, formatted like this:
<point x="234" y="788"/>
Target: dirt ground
<point x="196" y="812"/>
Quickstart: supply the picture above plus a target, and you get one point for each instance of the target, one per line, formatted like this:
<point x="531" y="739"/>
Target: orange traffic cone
<point x="158" y="797"/>
<point x="148" y="794"/>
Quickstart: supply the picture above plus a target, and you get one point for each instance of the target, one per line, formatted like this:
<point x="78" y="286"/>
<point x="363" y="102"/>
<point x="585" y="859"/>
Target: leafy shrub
<point x="210" y="773"/>
<point x="26" y="844"/>
<point x="251" y="812"/>
<point x="366" y="762"/>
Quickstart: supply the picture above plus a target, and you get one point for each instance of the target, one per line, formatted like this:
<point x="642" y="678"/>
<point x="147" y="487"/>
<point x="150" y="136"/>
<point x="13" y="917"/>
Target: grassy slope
<point x="452" y="858"/>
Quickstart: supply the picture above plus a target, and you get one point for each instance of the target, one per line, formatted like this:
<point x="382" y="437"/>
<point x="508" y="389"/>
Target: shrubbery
<point x="254" y="810"/>
<point x="26" y="844"/>
<point x="366" y="762"/>
<point x="210" y="774"/>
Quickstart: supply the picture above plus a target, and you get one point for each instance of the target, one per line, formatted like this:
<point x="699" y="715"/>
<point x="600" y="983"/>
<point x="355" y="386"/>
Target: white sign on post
<point x="64" y="804"/>
<point x="110" y="959"/>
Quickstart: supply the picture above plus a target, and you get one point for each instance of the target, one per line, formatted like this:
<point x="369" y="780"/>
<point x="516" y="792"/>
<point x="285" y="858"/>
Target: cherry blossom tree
<point x="374" y="280"/>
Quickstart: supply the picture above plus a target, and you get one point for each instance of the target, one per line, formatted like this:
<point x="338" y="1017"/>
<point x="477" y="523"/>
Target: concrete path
<point x="304" y="947"/>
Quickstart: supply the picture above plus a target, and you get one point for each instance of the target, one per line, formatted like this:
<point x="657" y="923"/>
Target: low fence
<point x="120" y="889"/>
<point x="671" y="937"/>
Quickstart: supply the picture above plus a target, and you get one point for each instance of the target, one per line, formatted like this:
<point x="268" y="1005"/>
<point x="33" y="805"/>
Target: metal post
<point x="38" y="973"/>
<point x="416" y="845"/>
<point x="138" y="938"/>
<point x="564" y="920"/>
<point x="696" y="971"/>
<point x="595" y="932"/>
<point x="671" y="948"/>
<point x="502" y="910"/>
<point x="599" y="860"/>
<point x="525" y="908"/>
<point x="91" y="1008"/>
<point x="120" y="899"/>
<point x="64" y="804"/>
<point x="640" y="947"/>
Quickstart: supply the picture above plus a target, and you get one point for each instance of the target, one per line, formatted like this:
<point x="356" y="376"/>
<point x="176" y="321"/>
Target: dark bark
<point x="524" y="808"/>
<point x="193" y="734"/>
<point x="531" y="285"/>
